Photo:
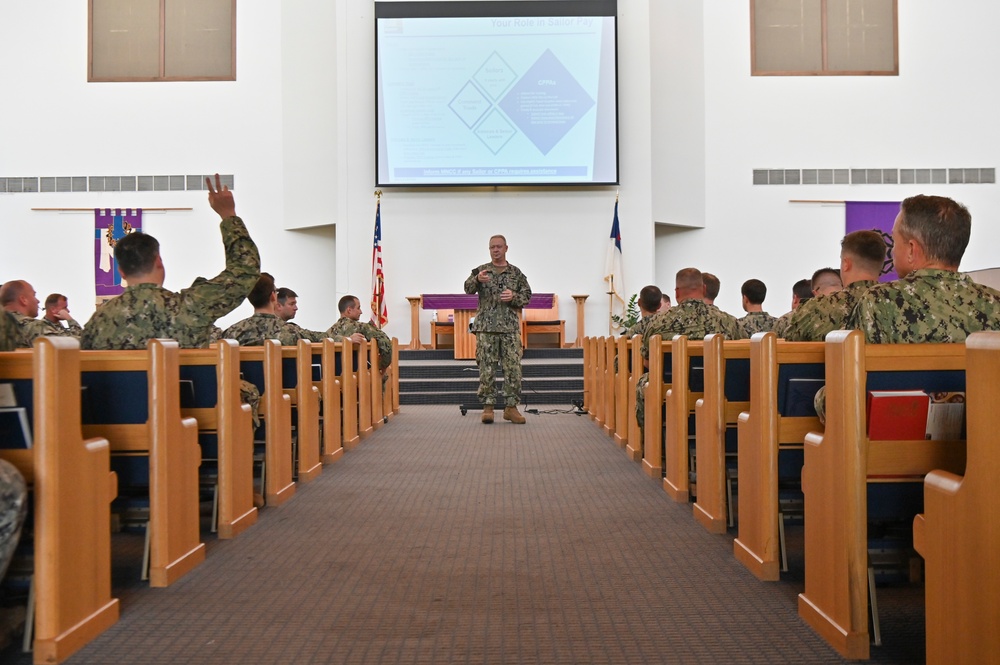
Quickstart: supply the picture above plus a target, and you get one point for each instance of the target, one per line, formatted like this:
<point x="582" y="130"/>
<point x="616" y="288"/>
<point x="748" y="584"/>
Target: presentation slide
<point x="491" y="100"/>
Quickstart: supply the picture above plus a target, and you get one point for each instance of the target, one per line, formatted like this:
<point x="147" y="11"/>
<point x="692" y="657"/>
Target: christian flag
<point x="110" y="226"/>
<point x="613" y="268"/>
<point x="380" y="315"/>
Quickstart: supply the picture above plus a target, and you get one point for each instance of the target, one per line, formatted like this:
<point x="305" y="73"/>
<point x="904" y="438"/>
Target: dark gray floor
<point x="442" y="540"/>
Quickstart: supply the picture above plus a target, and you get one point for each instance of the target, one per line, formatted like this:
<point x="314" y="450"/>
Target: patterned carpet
<point x="442" y="540"/>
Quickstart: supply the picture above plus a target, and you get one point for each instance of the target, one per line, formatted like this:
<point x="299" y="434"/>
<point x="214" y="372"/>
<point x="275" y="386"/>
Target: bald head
<point x="19" y="296"/>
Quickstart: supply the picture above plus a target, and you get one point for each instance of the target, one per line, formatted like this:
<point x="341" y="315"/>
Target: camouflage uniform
<point x="637" y="329"/>
<point x="30" y="329"/>
<point x="345" y="327"/>
<point x="253" y="330"/>
<point x="755" y="322"/>
<point x="147" y="311"/>
<point x="640" y="326"/>
<point x="781" y="323"/>
<point x="13" y="507"/>
<point x="823" y="314"/>
<point x="10" y="332"/>
<point x="693" y="318"/>
<point x="498" y="330"/>
<point x="57" y="329"/>
<point x="733" y="329"/>
<point x="303" y="333"/>
<point x="928" y="305"/>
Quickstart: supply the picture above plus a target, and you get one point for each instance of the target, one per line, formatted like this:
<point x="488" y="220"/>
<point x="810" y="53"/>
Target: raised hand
<point x="220" y="198"/>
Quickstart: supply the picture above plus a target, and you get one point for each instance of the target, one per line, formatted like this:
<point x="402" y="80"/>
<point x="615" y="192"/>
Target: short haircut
<point x="755" y="291"/>
<point x="136" y="253"/>
<point x="802" y="290"/>
<point x="689" y="279"/>
<point x="53" y="299"/>
<point x="941" y="226"/>
<point x="501" y="238"/>
<point x="347" y="301"/>
<point x="261" y="292"/>
<point x="12" y="290"/>
<point x="712" y="285"/>
<point x="865" y="247"/>
<point x="826" y="277"/>
<point x="666" y="298"/>
<point x="650" y="298"/>
<point x="284" y="293"/>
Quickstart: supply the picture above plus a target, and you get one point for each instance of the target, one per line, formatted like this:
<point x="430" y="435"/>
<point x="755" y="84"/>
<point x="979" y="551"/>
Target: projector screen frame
<point x="606" y="146"/>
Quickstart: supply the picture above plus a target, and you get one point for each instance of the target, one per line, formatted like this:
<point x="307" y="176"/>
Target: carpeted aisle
<point x="442" y="540"/>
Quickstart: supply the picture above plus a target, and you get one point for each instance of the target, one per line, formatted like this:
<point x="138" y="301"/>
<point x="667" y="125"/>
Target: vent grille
<point x="110" y="183"/>
<point x="963" y="176"/>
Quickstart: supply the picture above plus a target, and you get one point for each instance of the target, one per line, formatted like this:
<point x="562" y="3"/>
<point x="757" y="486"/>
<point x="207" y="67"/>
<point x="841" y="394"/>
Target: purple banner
<point x="110" y="226"/>
<point x="876" y="216"/>
<point x="465" y="301"/>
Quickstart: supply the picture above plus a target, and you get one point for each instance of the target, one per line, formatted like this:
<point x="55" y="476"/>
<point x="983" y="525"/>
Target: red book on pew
<point x="897" y="415"/>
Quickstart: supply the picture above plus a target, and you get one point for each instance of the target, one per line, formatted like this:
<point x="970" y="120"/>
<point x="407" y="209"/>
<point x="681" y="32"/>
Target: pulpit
<point x="465" y="309"/>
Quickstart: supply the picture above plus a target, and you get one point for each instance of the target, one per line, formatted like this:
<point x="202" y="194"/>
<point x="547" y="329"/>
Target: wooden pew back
<point x="133" y="400"/>
<point x="73" y="488"/>
<point x="634" y="445"/>
<point x="763" y="431"/>
<point x="226" y="429"/>
<point x="686" y="389"/>
<point x="620" y="390"/>
<point x="838" y="465"/>
<point x="297" y="381"/>
<point x="261" y="365"/>
<point x="958" y="533"/>
<point x="726" y="395"/>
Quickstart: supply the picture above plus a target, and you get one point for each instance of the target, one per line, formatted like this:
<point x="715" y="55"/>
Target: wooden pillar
<point x="414" y="322"/>
<point x="579" y="320"/>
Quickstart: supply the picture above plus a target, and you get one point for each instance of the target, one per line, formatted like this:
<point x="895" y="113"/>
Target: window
<point x="824" y="37"/>
<point x="162" y="40"/>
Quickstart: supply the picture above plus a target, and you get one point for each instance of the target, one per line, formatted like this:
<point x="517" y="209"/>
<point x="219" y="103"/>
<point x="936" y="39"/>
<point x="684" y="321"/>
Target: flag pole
<point x="611" y="290"/>
<point x="611" y="306"/>
<point x="379" y="295"/>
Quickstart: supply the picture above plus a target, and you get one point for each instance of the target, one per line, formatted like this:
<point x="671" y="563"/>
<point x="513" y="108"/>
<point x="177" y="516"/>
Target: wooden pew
<point x="296" y="377"/>
<point x="958" y="533"/>
<point x="763" y="433"/>
<point x="392" y="386"/>
<point x="375" y="385"/>
<point x="623" y="383"/>
<point x="633" y="447"/>
<point x="73" y="487"/>
<point x="610" y="410"/>
<point x="598" y="402"/>
<point x="839" y="464"/>
<point x="169" y="440"/>
<point x="727" y="387"/>
<point x="363" y="373"/>
<point x="589" y="375"/>
<point x="340" y="399"/>
<point x="679" y="401"/>
<point x="214" y="374"/>
<point x="652" y="442"/>
<point x="261" y="365"/>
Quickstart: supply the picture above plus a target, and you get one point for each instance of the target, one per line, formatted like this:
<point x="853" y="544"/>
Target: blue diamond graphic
<point x="547" y="102"/>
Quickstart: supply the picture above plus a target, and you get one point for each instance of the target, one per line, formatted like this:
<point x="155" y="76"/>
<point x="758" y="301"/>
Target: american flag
<point x="380" y="315"/>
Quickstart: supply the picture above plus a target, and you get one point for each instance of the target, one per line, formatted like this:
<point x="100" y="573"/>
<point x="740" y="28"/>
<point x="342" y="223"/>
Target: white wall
<point x="939" y="112"/>
<point x="296" y="129"/>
